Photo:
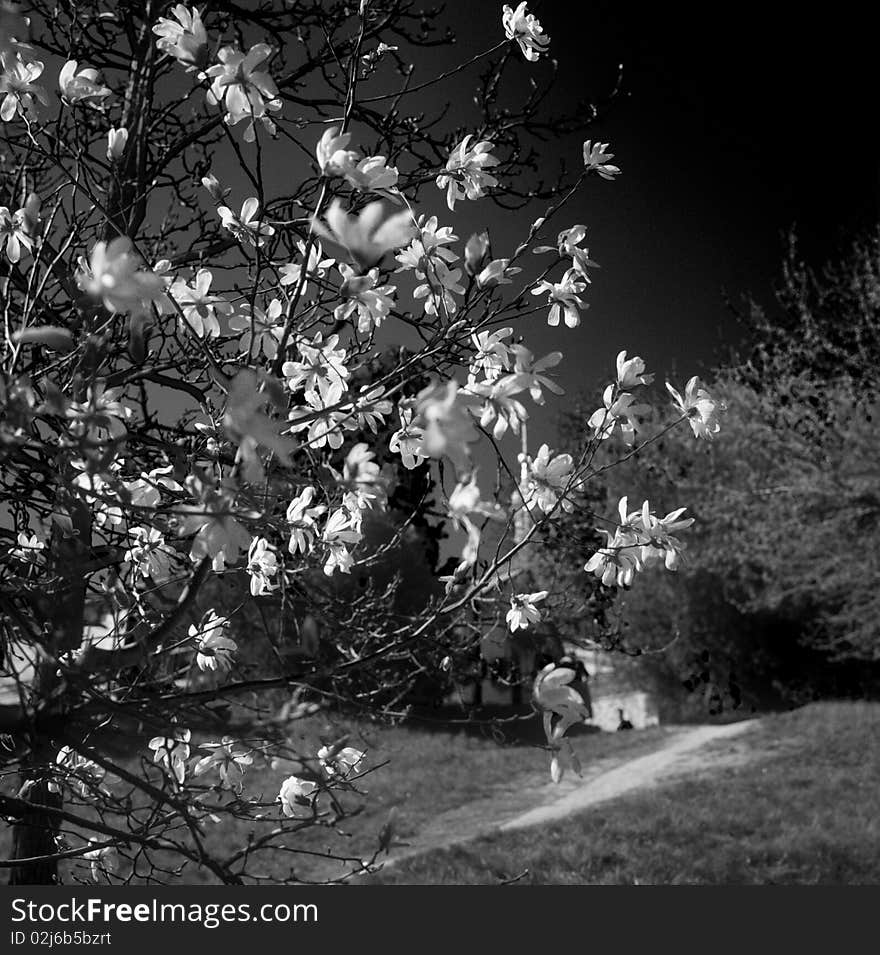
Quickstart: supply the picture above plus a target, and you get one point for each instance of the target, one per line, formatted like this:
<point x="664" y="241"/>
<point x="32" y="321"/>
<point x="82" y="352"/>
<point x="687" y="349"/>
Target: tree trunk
<point x="33" y="837"/>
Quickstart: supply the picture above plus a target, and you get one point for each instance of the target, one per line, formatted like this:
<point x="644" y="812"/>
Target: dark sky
<point x="738" y="122"/>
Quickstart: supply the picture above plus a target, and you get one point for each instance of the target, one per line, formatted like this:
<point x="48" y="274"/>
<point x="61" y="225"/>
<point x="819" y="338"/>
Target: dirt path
<point x="686" y="751"/>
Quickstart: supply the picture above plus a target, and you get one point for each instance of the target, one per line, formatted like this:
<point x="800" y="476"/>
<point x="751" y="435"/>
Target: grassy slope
<point x="806" y="810"/>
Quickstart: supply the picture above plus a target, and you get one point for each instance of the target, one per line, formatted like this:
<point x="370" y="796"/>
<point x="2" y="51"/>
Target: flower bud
<point x="116" y="140"/>
<point x="212" y="184"/>
<point x="476" y="252"/>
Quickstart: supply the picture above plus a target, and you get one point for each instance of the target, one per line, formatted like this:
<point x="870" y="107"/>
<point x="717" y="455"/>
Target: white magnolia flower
<point x="218" y="534"/>
<point x="408" y="441"/>
<point x="223" y="757"/>
<point x="262" y="566"/>
<point x="116" y="142"/>
<point x="500" y="404"/>
<point x="492" y="354"/>
<point x="545" y="479"/>
<point x="321" y="369"/>
<point x="427" y="246"/>
<point x="149" y="555"/>
<point x="301" y="516"/>
<point x="364" y="238"/>
<point x="332" y="152"/>
<point x="172" y="752"/>
<point x="340" y="763"/>
<point x="14" y="234"/>
<point x="261" y="330"/>
<point x="552" y="695"/>
<point x="526" y="30"/>
<point x="532" y="371"/>
<point x="701" y="409"/>
<point x="523" y="613"/>
<point x="291" y="274"/>
<point x="465" y="176"/>
<point x="598" y="159"/>
<point x="83" y="86"/>
<point x="200" y="308"/>
<point x="29" y="549"/>
<point x="631" y="372"/>
<point x="361" y="479"/>
<point x="373" y="174"/>
<point x="184" y="38"/>
<point x="563" y="298"/>
<point x="247" y="225"/>
<point x="449" y="425"/>
<point x="214" y="648"/>
<point x="114" y="275"/>
<point x="440" y="288"/>
<point x="82" y="774"/>
<point x="322" y="418"/>
<point x="295" y="792"/>
<point x="619" y="411"/>
<point x="464" y="501"/>
<point x="247" y="93"/>
<point x="364" y="297"/>
<point x="497" y="272"/>
<point x="104" y="862"/>
<point x="19" y="89"/>
<point x="568" y="244"/>
<point x="338" y="532"/>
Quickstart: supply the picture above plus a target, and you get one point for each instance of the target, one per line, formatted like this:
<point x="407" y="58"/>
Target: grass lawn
<point x="806" y="809"/>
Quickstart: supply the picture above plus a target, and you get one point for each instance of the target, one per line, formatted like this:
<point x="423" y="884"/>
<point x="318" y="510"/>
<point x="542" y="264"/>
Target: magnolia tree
<point x="232" y="329"/>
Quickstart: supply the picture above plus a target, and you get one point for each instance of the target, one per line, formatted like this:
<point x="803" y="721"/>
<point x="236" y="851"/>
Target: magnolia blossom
<point x="701" y="409"/>
<point x="149" y="554"/>
<point x="500" y="404"/>
<point x="526" y="30"/>
<point x="172" y="752"/>
<point x="316" y="267"/>
<point x="531" y="372"/>
<point x="223" y="758"/>
<point x="321" y="368"/>
<point x="114" y="275"/>
<point x="332" y="152"/>
<point x="218" y="534"/>
<point x="492" y="354"/>
<point x="104" y="861"/>
<point x="523" y="612"/>
<point x="261" y="330"/>
<point x="29" y="549"/>
<point x="246" y="226"/>
<point x="116" y="142"/>
<point x="439" y="289"/>
<point x="448" y="415"/>
<point x="83" y="86"/>
<point x="361" y="479"/>
<point x="199" y="307"/>
<point x="184" y="38"/>
<point x="639" y="540"/>
<point x="321" y="417"/>
<point x="497" y="272"/>
<point x="19" y="89"/>
<point x="619" y="411"/>
<point x="295" y="792"/>
<point x="369" y="411"/>
<point x="366" y="237"/>
<point x="408" y="441"/>
<point x="631" y="372"/>
<point x="246" y="92"/>
<point x="373" y="174"/>
<point x="464" y="501"/>
<point x="370" y="174"/>
<point x="364" y="297"/>
<point x="340" y="763"/>
<point x="262" y="565"/>
<point x="301" y="516"/>
<point x="568" y="243"/>
<point x="79" y="772"/>
<point x="598" y="159"/>
<point x="561" y="707"/>
<point x="563" y="298"/>
<point x="545" y="479"/>
<point x="214" y="648"/>
<point x="338" y="532"/>
<point x="465" y="176"/>
<point x="13" y="234"/>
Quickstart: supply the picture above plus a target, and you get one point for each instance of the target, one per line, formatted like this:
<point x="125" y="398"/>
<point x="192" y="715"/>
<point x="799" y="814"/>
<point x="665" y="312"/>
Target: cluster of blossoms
<point x="366" y="174"/>
<point x="639" y="540"/>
